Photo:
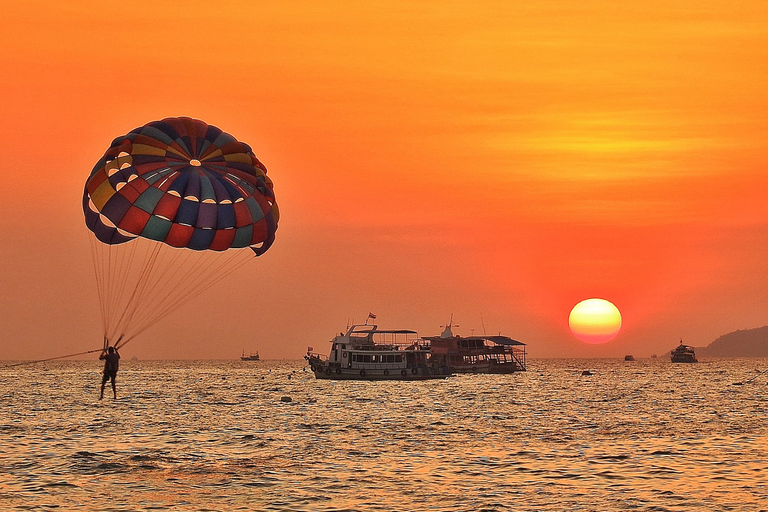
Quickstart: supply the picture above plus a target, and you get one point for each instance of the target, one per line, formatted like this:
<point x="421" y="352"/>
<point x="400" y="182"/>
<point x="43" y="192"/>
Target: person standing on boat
<point x="111" y="362"/>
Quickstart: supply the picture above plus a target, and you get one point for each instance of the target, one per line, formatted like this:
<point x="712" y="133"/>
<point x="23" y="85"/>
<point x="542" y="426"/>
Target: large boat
<point x="683" y="354"/>
<point x="476" y="354"/>
<point x="366" y="352"/>
<point x="253" y="356"/>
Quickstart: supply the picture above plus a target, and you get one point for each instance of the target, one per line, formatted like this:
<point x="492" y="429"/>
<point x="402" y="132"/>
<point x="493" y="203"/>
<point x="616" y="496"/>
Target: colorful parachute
<point x="182" y="182"/>
<point x="169" y="191"/>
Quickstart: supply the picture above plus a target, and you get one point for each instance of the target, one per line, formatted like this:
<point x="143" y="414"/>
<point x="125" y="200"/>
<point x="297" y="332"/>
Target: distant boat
<point x="683" y="354"/>
<point x="629" y="358"/>
<point x="253" y="356"/>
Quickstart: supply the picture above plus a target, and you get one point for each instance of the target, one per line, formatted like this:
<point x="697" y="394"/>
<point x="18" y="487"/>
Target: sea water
<point x="223" y="435"/>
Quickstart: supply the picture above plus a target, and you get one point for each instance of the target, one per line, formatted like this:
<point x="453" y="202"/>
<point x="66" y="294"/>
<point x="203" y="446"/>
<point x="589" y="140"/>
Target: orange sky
<point x="498" y="163"/>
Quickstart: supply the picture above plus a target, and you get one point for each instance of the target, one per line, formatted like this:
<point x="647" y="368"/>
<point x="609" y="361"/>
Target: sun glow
<point x="595" y="321"/>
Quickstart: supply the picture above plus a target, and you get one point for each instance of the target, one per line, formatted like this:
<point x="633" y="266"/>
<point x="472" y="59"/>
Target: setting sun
<point x="595" y="321"/>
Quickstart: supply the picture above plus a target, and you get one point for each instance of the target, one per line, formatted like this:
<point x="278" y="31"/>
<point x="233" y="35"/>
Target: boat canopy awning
<point x="379" y="331"/>
<point x="499" y="340"/>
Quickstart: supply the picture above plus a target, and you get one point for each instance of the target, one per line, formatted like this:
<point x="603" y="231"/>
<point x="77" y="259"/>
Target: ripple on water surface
<point x="647" y="435"/>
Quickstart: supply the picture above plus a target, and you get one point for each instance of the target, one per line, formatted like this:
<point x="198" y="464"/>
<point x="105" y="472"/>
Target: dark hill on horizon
<point x="741" y="343"/>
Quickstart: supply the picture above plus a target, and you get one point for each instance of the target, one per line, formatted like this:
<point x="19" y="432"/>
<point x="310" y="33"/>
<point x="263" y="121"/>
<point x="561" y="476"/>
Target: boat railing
<point x="519" y="357"/>
<point x="389" y="347"/>
<point x="488" y="349"/>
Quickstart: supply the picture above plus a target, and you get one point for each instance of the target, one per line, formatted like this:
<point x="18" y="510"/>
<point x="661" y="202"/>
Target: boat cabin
<point x="367" y="347"/>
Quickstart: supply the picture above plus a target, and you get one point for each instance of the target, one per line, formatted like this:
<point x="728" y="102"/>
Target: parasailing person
<point x="111" y="359"/>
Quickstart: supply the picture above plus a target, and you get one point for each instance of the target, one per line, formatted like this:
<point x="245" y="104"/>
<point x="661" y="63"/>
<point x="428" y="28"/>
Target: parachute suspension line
<point x="213" y="271"/>
<point x="112" y="267"/>
<point x="99" y="282"/>
<point x="192" y="290"/>
<point x="164" y="296"/>
<point x="108" y="280"/>
<point x="135" y="301"/>
<point x="219" y="266"/>
<point x="225" y="264"/>
<point x="108" y="268"/>
<point x="125" y="256"/>
<point x="151" y="298"/>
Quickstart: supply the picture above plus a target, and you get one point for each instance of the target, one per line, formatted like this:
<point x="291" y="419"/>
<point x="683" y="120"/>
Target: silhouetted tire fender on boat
<point x="414" y="371"/>
<point x="403" y="373"/>
<point x="338" y="371"/>
<point x="386" y="372"/>
<point x="362" y="373"/>
<point x="328" y="371"/>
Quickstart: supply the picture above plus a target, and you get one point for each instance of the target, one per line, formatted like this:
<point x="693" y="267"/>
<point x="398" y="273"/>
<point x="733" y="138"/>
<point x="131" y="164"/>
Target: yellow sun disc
<point x="595" y="321"/>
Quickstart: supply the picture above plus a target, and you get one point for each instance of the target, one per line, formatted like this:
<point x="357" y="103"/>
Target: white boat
<point x="366" y="352"/>
<point x="683" y="354"/>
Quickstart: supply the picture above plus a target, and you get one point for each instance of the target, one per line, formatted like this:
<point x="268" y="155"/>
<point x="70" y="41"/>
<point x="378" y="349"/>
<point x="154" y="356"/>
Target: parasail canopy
<point x="185" y="183"/>
<point x="173" y="207"/>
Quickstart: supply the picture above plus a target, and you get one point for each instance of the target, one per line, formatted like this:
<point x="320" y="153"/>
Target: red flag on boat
<point x="309" y="349"/>
<point x="371" y="315"/>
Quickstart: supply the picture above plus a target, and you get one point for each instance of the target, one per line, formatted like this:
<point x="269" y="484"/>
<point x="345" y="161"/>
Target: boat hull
<point x="684" y="359"/>
<point x="504" y="368"/>
<point x="326" y="372"/>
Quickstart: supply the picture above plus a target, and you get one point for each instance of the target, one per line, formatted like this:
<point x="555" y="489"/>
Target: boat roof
<point x="499" y="340"/>
<point x="386" y="331"/>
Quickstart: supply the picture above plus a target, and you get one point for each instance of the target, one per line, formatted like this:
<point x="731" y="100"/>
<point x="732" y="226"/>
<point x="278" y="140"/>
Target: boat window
<point x="354" y="357"/>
